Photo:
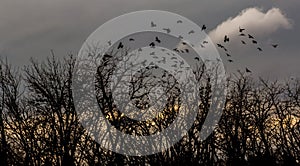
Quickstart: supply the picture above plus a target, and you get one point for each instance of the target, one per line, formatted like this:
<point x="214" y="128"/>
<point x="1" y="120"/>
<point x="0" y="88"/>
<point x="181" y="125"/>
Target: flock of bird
<point x="222" y="46"/>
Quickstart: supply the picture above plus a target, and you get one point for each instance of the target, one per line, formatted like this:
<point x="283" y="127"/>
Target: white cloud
<point x="255" y="21"/>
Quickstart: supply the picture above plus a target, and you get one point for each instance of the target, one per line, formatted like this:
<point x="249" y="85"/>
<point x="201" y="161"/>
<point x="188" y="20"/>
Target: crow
<point x="120" y="45"/>
<point x="226" y="39"/>
<point x="230" y="60"/>
<point x="241" y="29"/>
<point x="254" y="41"/>
<point x="152" y="24"/>
<point x="192" y="31"/>
<point x="247" y="70"/>
<point x="250" y="36"/>
<point x="197" y="58"/>
<point x="152" y="44"/>
<point x="157" y="40"/>
<point x="274" y="45"/>
<point x="168" y="30"/>
<point x="203" y="27"/>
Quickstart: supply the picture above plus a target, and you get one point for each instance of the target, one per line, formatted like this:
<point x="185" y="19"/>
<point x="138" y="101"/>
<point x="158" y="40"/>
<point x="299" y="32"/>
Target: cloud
<point x="255" y="21"/>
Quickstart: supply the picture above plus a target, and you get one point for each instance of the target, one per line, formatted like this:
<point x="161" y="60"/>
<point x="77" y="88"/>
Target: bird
<point x="220" y="45"/>
<point x="187" y="50"/>
<point x="254" y="41"/>
<point x="176" y="49"/>
<point x="197" y="58"/>
<point x="131" y="39"/>
<point x="230" y="60"/>
<point x="152" y="24"/>
<point x="192" y="31"/>
<point x="179" y="21"/>
<point x="157" y="40"/>
<point x="247" y="70"/>
<point x="226" y="39"/>
<point x="205" y="42"/>
<point x="168" y="30"/>
<point x="250" y="36"/>
<point x="203" y="27"/>
<point x="242" y="34"/>
<point x="259" y="49"/>
<point x="184" y="43"/>
<point x="120" y="45"/>
<point x="243" y="41"/>
<point x="228" y="55"/>
<point x="241" y="29"/>
<point x="274" y="45"/>
<point x="107" y="56"/>
<point x="152" y="44"/>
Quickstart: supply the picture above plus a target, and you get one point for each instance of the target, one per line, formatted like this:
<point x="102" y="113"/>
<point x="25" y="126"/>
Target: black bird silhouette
<point x="152" y="24"/>
<point x="230" y="60"/>
<point x="187" y="50"/>
<point x="259" y="49"/>
<point x="176" y="49"/>
<point x="131" y="39"/>
<point x="274" y="45"/>
<point x="197" y="58"/>
<point x="220" y="45"/>
<point x="120" y="45"/>
<point x="250" y="36"/>
<point x="157" y="40"/>
<point x="226" y="39"/>
<point x="228" y="55"/>
<point x="241" y="29"/>
<point x="203" y="27"/>
<point x="243" y="41"/>
<point x="192" y="31"/>
<point x="242" y="34"/>
<point x="254" y="41"/>
<point x="247" y="70"/>
<point x="107" y="56"/>
<point x="184" y="43"/>
<point x="168" y="30"/>
<point x="205" y="42"/>
<point x="152" y="44"/>
<point x="179" y="21"/>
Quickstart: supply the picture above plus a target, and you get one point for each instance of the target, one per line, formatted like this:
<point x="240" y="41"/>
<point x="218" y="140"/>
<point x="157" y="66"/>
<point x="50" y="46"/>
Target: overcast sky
<point x="32" y="28"/>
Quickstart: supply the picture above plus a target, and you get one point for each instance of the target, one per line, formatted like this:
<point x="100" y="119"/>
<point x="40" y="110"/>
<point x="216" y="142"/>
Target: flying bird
<point x="192" y="31"/>
<point x="131" y="39"/>
<point x="120" y="45"/>
<point x="254" y="41"/>
<point x="247" y="70"/>
<point x="203" y="27"/>
<point x="152" y="44"/>
<point x="179" y="21"/>
<point x="250" y="36"/>
<point x="274" y="45"/>
<point x="205" y="42"/>
<point x="241" y="29"/>
<point x="259" y="49"/>
<point x="228" y="55"/>
<point x="197" y="58"/>
<point x="230" y="60"/>
<point x="226" y="39"/>
<point x="157" y="40"/>
<point x="187" y="50"/>
<point x="243" y="41"/>
<point x="184" y="43"/>
<point x="168" y="30"/>
<point x="242" y="34"/>
<point x="152" y="24"/>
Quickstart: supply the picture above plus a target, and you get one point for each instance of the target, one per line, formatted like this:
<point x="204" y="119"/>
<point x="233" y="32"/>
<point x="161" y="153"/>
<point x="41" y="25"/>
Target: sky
<point x="31" y="28"/>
